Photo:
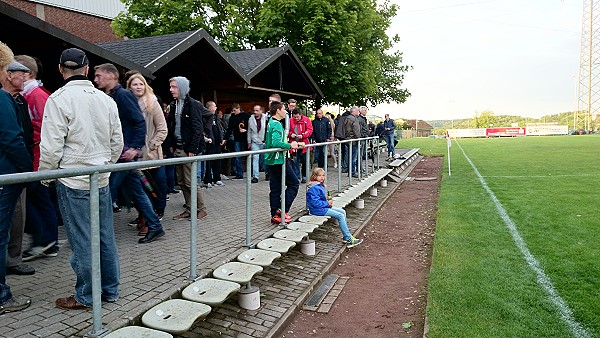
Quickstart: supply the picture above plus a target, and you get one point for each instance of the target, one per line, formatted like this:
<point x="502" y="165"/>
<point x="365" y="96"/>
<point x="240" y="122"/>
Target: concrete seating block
<point x="210" y="291"/>
<point x="277" y="245"/>
<point x="175" y="316"/>
<point x="237" y="272"/>
<point x="291" y="235"/>
<point x="137" y="331"/>
<point x="313" y="219"/>
<point x="299" y="226"/>
<point x="258" y="257"/>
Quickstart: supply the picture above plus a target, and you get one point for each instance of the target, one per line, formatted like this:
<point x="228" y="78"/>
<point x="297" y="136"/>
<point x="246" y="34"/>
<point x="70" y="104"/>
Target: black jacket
<point x="192" y="126"/>
<point x="235" y="123"/>
<point x="321" y="129"/>
<point x="364" y="126"/>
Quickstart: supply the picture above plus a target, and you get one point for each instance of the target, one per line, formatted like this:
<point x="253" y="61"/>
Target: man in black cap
<point x="81" y="128"/>
<point x="12" y="161"/>
<point x="14" y="84"/>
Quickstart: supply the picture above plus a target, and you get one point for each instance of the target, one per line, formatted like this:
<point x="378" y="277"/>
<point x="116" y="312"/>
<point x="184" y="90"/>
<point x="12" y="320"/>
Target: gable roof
<point x="254" y="60"/>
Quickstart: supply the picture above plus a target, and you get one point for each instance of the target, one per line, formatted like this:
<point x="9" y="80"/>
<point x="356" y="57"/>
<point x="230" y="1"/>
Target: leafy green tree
<point x="342" y="43"/>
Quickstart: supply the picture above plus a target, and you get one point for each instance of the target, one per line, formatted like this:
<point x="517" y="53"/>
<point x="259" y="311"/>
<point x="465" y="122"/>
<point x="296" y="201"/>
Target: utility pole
<point x="588" y="93"/>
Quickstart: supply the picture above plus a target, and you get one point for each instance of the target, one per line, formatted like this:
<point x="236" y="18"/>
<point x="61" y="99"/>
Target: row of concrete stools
<point x="176" y="316"/>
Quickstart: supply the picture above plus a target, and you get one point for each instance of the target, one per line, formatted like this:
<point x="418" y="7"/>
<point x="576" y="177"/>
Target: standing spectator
<point x="322" y="132"/>
<point x="300" y="130"/>
<point x="212" y="177"/>
<point x="238" y="127"/>
<point x="364" y="132"/>
<point x="41" y="220"/>
<point x="340" y="134"/>
<point x="352" y="131"/>
<point x="13" y="84"/>
<point x="276" y="138"/>
<point x="156" y="133"/>
<point x="388" y="135"/>
<point x="133" y="127"/>
<point x="225" y="168"/>
<point x="12" y="148"/>
<point x="82" y="129"/>
<point x="186" y="139"/>
<point x="257" y="124"/>
<point x="331" y="147"/>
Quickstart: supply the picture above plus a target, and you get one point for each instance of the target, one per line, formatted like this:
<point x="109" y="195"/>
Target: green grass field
<point x="480" y="284"/>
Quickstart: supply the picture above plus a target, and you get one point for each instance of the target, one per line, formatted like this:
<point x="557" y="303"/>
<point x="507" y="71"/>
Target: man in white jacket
<point x="82" y="129"/>
<point x="257" y="124"/>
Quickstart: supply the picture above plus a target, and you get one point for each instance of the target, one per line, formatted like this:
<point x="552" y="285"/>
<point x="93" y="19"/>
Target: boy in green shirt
<point x="275" y="138"/>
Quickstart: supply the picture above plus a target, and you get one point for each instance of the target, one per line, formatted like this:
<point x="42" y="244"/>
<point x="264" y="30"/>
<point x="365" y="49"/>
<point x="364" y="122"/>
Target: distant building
<point x="89" y="20"/>
<point x="422" y="128"/>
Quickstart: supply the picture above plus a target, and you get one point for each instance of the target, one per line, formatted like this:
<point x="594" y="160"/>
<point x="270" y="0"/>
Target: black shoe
<point x="303" y="181"/>
<point x="344" y="171"/>
<point x="267" y="177"/>
<point x="160" y="215"/>
<point x="254" y="180"/>
<point x="20" y="270"/>
<point x="135" y="222"/>
<point x="15" y="303"/>
<point x="152" y="236"/>
<point x="116" y="207"/>
<point x="174" y="191"/>
<point x="238" y="178"/>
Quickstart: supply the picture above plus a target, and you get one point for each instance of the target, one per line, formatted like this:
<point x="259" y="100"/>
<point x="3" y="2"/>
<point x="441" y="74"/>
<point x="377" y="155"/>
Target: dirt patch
<point x="386" y="293"/>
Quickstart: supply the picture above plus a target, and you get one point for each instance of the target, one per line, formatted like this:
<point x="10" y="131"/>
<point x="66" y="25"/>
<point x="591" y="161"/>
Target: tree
<point x="342" y="43"/>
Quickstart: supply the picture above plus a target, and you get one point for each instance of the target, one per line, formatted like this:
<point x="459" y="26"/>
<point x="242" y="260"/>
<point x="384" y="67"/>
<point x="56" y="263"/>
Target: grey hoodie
<point x="184" y="88"/>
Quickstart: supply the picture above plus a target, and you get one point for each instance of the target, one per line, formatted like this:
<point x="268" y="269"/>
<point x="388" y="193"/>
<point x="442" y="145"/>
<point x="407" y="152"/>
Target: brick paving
<point x="155" y="272"/>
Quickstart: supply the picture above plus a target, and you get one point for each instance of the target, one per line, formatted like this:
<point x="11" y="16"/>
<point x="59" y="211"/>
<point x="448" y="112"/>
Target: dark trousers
<point x="291" y="187"/>
<point x="320" y="156"/>
<point x="41" y="219"/>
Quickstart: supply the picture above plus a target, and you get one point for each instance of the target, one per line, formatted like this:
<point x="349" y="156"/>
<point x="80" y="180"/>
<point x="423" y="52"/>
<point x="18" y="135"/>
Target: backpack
<point x="340" y="131"/>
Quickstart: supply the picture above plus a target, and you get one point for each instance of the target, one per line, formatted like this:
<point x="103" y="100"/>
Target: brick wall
<point x="87" y="27"/>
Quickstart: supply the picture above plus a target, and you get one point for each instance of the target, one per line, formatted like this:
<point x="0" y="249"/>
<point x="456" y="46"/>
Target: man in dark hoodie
<point x="133" y="125"/>
<point x="186" y="138"/>
<point x="238" y="126"/>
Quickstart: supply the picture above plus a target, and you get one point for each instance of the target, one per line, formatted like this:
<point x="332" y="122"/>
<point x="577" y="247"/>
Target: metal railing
<point x="93" y="173"/>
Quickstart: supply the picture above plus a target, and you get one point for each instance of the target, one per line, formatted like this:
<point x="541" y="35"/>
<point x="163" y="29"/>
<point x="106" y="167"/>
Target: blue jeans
<point x="170" y="173"/>
<point x="300" y="165"/>
<point x="340" y="215"/>
<point x="344" y="156"/>
<point x="320" y="156"/>
<point x="159" y="176"/>
<point x="257" y="160"/>
<point x="41" y="219"/>
<point x="237" y="161"/>
<point x="132" y="186"/>
<point x="8" y="201"/>
<point x="354" y="157"/>
<point x="291" y="187"/>
<point x="389" y="139"/>
<point x="75" y="209"/>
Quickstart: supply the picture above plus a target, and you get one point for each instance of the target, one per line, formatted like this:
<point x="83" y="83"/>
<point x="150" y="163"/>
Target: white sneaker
<point x="219" y="184"/>
<point x="209" y="185"/>
<point x="335" y="165"/>
<point x="225" y="177"/>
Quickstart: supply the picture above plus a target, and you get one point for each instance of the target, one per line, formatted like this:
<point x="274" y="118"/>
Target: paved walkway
<point x="154" y="272"/>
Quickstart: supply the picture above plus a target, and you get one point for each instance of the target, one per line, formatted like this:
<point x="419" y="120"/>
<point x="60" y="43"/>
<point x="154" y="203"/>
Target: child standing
<point x="319" y="205"/>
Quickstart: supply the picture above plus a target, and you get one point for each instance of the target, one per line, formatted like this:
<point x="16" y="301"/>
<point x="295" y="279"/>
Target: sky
<point x="512" y="57"/>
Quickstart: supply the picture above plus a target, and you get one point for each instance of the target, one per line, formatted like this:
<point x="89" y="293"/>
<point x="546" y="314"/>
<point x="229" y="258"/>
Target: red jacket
<point x="36" y="97"/>
<point x="303" y="128"/>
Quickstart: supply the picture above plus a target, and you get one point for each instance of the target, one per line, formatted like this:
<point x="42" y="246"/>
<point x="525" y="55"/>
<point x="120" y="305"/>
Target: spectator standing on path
<point x="238" y="127"/>
<point x="212" y="176"/>
<point x="41" y="220"/>
<point x="12" y="160"/>
<point x="322" y="132"/>
<point x="300" y="130"/>
<point x="257" y="124"/>
<point x="133" y="127"/>
<point x="13" y="84"/>
<point x="156" y="133"/>
<point x="352" y="131"/>
<point x="276" y="138"/>
<point x="331" y="147"/>
<point x="82" y="129"/>
<point x="340" y="134"/>
<point x="320" y="205"/>
<point x="186" y="139"/>
<point x="364" y="132"/>
<point x="388" y="136"/>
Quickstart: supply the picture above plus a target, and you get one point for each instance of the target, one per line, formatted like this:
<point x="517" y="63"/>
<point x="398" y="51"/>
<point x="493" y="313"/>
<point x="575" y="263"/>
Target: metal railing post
<point x="194" y="221"/>
<point x="325" y="148"/>
<point x="308" y="164"/>
<point x="97" y="329"/>
<point x="249" y="202"/>
<point x="340" y="159"/>
<point x="350" y="163"/>
<point x="359" y="159"/>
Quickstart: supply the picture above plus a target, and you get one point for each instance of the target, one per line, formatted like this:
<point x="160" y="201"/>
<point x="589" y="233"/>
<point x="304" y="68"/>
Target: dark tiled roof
<point x="249" y="60"/>
<point x="144" y="50"/>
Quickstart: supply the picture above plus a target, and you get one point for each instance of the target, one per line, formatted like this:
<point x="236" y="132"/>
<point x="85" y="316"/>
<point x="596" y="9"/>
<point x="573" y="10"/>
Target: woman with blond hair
<point x="156" y="132"/>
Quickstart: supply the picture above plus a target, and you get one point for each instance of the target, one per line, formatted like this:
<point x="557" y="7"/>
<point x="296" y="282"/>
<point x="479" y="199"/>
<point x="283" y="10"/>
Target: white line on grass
<point x="540" y="176"/>
<point x="566" y="315"/>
